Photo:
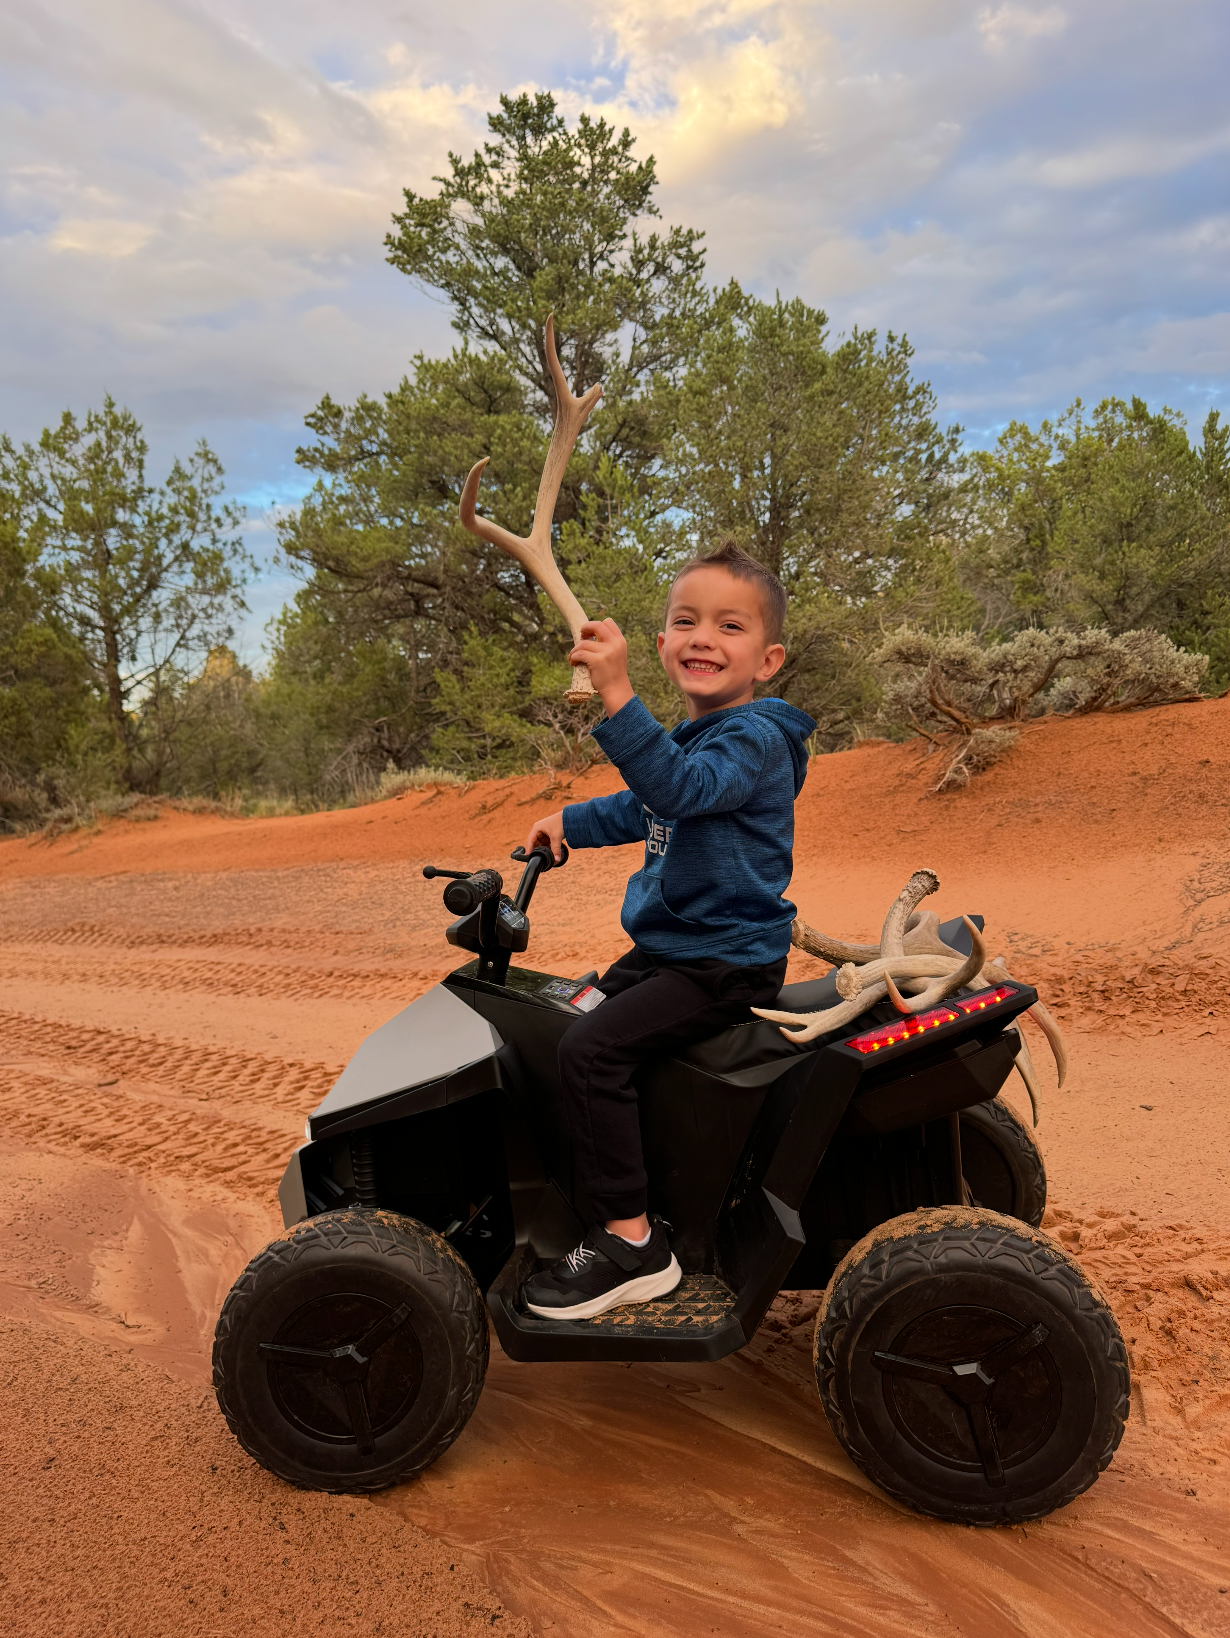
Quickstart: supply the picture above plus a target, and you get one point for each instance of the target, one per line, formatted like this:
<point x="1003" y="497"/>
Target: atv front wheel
<point x="970" y="1368"/>
<point x="1001" y="1164"/>
<point x="351" y="1352"/>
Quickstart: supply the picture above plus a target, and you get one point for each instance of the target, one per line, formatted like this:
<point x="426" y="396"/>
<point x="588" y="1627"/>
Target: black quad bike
<point x="964" y="1361"/>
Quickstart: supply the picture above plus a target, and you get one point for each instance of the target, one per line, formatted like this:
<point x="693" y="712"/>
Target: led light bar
<point x="905" y="1028"/>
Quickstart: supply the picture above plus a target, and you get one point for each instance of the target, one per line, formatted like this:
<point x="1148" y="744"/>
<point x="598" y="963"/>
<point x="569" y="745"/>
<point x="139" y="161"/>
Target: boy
<point x="713" y="801"/>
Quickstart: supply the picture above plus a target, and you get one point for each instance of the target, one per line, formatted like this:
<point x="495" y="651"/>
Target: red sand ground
<point x="177" y="994"/>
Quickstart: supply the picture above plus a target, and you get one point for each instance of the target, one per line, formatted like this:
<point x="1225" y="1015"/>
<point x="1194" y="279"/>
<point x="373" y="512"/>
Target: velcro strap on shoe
<point x="619" y="1251"/>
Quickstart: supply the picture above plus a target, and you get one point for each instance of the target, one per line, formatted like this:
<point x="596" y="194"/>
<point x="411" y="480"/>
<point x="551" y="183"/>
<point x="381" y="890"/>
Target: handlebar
<point x="462" y="896"/>
<point x="536" y="861"/>
<point x="489" y="923"/>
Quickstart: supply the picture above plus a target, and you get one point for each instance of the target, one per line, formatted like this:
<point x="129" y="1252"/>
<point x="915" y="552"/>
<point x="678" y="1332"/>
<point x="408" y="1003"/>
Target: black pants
<point x="652" y="1008"/>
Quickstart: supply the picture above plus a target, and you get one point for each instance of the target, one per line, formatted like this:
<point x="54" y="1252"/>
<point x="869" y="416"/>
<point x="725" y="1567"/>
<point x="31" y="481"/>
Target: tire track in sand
<point x="228" y="1076"/>
<point x="216" y="978"/>
<point x="148" y="1136"/>
<point x="92" y="935"/>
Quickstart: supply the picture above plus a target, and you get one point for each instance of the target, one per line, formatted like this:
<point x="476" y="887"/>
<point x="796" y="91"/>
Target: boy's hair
<point x="729" y="555"/>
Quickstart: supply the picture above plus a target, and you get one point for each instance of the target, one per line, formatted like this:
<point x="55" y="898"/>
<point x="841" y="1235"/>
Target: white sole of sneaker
<point x="644" y="1289"/>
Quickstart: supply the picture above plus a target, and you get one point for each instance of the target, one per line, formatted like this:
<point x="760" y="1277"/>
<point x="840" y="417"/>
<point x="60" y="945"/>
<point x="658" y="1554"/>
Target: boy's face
<point x="714" y="645"/>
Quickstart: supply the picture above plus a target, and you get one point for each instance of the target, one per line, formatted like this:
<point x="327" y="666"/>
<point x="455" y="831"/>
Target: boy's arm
<point x="604" y="821"/>
<point x="716" y="778"/>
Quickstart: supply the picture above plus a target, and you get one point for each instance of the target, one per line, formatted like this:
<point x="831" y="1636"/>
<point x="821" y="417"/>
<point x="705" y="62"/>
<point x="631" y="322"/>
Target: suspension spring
<point x="363" y="1164"/>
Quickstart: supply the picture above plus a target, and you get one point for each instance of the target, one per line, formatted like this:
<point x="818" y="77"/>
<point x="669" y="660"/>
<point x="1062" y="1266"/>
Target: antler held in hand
<point x="534" y="553"/>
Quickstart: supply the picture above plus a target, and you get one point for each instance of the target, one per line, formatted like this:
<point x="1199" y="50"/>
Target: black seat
<point x="744" y="1048"/>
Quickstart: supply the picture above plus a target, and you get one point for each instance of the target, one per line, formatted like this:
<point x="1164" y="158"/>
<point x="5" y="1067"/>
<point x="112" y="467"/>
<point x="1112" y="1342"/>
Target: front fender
<point x="433" y="1052"/>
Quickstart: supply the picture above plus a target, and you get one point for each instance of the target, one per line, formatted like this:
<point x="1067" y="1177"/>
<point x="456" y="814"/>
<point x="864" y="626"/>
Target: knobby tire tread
<point x="391" y="1236"/>
<point x="1016" y="1133"/>
<point x="918" y="1242"/>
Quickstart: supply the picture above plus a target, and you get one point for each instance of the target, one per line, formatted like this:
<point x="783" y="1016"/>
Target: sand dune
<point x="178" y="992"/>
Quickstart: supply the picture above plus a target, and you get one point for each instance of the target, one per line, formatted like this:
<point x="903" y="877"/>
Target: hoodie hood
<point x="796" y="728"/>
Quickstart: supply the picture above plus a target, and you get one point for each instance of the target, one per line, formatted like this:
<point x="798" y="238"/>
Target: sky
<point x="194" y="194"/>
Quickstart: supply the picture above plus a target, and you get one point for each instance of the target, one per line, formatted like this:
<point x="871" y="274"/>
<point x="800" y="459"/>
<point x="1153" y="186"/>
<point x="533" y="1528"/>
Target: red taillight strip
<point x="917" y="1023"/>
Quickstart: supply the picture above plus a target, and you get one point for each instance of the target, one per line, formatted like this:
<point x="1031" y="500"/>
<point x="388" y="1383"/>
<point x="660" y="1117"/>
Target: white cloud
<point x="1198" y="347"/>
<point x="700" y="78"/>
<point x="100" y="236"/>
<point x="1000" y="29"/>
<point x="1130" y="156"/>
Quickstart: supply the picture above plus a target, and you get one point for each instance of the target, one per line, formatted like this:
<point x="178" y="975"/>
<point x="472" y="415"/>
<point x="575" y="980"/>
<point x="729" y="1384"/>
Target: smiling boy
<point x="713" y="802"/>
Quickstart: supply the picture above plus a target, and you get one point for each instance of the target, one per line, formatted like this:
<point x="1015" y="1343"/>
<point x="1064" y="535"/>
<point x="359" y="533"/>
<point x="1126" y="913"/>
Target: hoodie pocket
<point x="669" y="915"/>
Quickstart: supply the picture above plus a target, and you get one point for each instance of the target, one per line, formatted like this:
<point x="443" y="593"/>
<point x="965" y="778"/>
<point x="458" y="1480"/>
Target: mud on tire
<point x="1038" y="1402"/>
<point x="1003" y="1169"/>
<point x="351" y="1352"/>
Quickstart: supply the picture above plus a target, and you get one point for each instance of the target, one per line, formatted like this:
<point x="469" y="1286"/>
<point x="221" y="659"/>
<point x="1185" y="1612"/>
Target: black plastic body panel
<point x="969" y="1072"/>
<point x="863" y="1182"/>
<point x="694" y="1128"/>
<point x="433" y="1052"/>
<point x="535" y="1025"/>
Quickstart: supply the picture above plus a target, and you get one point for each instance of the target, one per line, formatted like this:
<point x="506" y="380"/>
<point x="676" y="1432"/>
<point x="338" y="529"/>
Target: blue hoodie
<point x="713" y="801"/>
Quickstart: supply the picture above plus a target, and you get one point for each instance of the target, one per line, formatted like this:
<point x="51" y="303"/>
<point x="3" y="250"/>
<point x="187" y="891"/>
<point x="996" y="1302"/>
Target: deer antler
<point x="910" y="949"/>
<point x="835" y="950"/>
<point x="956" y="979"/>
<point x="534" y="553"/>
<point x="922" y="938"/>
<point x="892" y="935"/>
<point x="1024" y="1065"/>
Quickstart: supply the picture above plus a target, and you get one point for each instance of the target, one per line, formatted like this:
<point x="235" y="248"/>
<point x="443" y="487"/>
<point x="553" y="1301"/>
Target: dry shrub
<point x="560" y="736"/>
<point x="396" y="781"/>
<point x="938" y="682"/>
<point x="1125" y="673"/>
<point x="135" y="806"/>
<point x="975" y="754"/>
<point x="23" y="806"/>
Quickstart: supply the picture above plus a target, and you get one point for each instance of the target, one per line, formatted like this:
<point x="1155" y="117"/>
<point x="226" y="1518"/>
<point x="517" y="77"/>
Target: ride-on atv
<point x="963" y="1360"/>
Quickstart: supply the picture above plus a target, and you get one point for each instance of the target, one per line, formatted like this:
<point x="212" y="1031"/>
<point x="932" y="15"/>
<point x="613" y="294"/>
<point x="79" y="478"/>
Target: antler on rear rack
<point x="911" y="954"/>
<point x="534" y="552"/>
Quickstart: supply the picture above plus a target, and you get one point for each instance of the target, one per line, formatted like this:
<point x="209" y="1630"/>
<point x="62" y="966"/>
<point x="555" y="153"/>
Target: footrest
<point x="695" y="1321"/>
<point x="700" y="1303"/>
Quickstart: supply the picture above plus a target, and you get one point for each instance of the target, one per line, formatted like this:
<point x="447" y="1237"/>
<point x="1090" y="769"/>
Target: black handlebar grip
<point x="544" y="854"/>
<point x="466" y="895"/>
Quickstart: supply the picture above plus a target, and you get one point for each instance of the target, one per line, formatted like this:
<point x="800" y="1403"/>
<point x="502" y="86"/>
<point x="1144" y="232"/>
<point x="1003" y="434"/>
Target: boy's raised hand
<point x="547" y="832"/>
<point x="603" y="649"/>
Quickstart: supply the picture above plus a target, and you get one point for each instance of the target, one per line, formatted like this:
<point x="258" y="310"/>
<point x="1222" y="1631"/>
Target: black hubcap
<point x="972" y="1387"/>
<point x="345" y="1368"/>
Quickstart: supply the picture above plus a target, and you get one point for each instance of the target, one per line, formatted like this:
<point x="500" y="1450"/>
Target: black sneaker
<point x="603" y="1272"/>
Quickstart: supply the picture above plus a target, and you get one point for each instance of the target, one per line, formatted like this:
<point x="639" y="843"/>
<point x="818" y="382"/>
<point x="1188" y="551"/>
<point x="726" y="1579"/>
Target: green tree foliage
<point x="394" y="584"/>
<point x="1113" y="519"/>
<point x="544" y="219"/>
<point x="141" y="580"/>
<point x="339" y="703"/>
<point x="46" y="707"/>
<point x="215" y="743"/>
<point x="825" y="461"/>
<point x="721" y="414"/>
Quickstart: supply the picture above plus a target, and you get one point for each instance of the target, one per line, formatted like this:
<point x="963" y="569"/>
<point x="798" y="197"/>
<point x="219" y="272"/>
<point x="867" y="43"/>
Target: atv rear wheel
<point x="1002" y="1167"/>
<point x="351" y="1352"/>
<point x="970" y="1368"/>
